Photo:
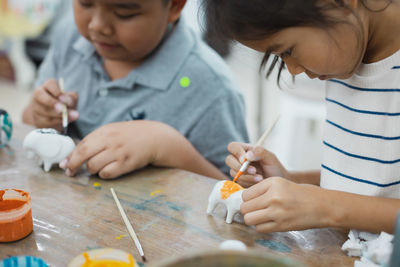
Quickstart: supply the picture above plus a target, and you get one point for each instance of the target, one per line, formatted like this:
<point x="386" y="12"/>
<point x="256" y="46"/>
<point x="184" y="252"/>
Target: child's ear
<point x="175" y="9"/>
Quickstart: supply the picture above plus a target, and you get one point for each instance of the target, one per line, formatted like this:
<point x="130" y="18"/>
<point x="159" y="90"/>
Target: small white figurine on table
<point x="49" y="145"/>
<point x="229" y="194"/>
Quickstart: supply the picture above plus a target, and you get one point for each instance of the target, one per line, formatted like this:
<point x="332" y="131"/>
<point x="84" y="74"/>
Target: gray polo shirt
<point x="183" y="83"/>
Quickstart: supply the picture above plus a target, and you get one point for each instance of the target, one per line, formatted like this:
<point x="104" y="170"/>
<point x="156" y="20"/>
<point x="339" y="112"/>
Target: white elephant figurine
<point x="49" y="145"/>
<point x="229" y="194"/>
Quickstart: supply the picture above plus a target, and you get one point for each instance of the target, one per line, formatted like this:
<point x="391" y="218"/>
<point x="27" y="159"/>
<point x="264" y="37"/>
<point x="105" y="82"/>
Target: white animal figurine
<point x="229" y="194"/>
<point x="49" y="145"/>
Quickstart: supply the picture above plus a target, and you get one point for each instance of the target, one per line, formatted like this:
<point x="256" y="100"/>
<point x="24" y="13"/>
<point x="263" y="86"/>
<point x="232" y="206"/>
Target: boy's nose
<point x="100" y="24"/>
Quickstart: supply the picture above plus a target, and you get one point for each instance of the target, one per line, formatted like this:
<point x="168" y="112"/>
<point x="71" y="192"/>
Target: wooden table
<point x="166" y="206"/>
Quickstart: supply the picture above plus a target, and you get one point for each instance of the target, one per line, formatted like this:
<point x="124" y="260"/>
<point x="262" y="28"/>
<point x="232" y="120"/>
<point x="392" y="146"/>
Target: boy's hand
<point x="45" y="108"/>
<point x="278" y="205"/>
<point x="264" y="164"/>
<point x="116" y="149"/>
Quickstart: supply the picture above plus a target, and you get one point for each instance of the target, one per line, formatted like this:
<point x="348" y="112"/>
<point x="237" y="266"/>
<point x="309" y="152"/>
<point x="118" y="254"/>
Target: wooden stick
<point x="64" y="108"/>
<point x="128" y="225"/>
<point x="260" y="141"/>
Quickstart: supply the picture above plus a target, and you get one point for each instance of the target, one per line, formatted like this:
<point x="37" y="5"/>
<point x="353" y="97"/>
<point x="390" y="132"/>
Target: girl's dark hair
<point x="247" y="20"/>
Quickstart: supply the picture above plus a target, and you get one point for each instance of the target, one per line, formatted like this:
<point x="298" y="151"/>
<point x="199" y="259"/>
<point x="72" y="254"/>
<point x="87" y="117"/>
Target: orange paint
<point x="229" y="188"/>
<point x="106" y="263"/>
<point x="10" y="204"/>
<point x="15" y="215"/>
<point x="237" y="176"/>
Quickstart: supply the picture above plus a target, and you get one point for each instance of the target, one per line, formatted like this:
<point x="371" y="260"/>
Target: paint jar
<point x="104" y="257"/>
<point x="15" y="215"/>
<point x="21" y="261"/>
<point x="5" y="128"/>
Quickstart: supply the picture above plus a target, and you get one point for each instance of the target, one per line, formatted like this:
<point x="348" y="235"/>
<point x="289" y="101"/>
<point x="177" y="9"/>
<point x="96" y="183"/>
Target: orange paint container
<point x="15" y="215"/>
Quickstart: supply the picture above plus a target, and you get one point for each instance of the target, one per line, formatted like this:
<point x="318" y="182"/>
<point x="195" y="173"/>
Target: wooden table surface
<point x="167" y="208"/>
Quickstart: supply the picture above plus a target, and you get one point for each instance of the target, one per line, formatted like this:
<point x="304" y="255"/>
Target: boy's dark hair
<point x="257" y="19"/>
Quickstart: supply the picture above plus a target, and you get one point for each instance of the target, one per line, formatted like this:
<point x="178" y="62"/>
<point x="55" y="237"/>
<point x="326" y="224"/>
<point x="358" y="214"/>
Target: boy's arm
<point x="223" y="121"/>
<point x="176" y="151"/>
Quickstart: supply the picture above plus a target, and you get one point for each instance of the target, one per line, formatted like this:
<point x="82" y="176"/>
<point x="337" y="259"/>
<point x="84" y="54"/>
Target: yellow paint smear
<point x="120" y="237"/>
<point x="155" y="192"/>
<point x="229" y="188"/>
<point x="106" y="263"/>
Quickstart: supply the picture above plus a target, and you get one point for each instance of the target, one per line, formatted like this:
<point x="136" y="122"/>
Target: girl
<point x="354" y="45"/>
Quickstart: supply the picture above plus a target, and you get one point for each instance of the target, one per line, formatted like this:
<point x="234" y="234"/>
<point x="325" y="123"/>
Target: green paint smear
<point x="274" y="245"/>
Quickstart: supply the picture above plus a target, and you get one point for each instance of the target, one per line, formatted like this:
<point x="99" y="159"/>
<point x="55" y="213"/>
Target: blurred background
<point x="26" y="30"/>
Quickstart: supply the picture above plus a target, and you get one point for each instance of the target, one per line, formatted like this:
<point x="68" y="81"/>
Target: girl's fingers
<point x="268" y="227"/>
<point x="257" y="203"/>
<point x="238" y="150"/>
<point x="247" y="179"/>
<point x="233" y="163"/>
<point x="256" y="190"/>
<point x="257" y="217"/>
<point x="260" y="153"/>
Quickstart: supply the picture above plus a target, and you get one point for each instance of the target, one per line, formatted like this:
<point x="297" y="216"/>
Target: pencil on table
<point x="260" y="141"/>
<point x="128" y="224"/>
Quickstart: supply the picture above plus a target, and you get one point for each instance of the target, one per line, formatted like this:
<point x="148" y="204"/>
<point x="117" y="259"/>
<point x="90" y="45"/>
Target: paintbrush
<point x="64" y="109"/>
<point x="260" y="141"/>
<point x="128" y="225"/>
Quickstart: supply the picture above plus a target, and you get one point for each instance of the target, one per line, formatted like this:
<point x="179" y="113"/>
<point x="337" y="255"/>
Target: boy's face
<point x="125" y="30"/>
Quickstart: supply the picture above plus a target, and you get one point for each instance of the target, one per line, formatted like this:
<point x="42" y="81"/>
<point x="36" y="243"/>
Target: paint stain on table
<point x="274" y="245"/>
<point x="155" y="192"/>
<point x="120" y="237"/>
<point x="97" y="186"/>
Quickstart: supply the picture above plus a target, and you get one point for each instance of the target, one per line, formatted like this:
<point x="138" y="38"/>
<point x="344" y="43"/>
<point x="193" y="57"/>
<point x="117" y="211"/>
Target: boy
<point x="149" y="91"/>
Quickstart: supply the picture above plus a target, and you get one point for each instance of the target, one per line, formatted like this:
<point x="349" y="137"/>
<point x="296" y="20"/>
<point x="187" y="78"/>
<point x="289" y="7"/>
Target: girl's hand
<point x="117" y="148"/>
<point x="264" y="164"/>
<point x="45" y="108"/>
<point x="279" y="205"/>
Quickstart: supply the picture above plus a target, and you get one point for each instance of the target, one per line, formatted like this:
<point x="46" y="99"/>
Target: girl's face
<point x="317" y="52"/>
<point x="124" y="30"/>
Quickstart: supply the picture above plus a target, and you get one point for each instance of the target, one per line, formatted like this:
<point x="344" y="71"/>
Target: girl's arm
<point x="373" y="214"/>
<point x="277" y="205"/>
<point x="306" y="177"/>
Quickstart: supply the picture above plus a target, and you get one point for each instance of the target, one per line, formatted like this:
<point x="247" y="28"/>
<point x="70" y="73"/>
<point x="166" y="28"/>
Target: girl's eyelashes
<point x="287" y="53"/>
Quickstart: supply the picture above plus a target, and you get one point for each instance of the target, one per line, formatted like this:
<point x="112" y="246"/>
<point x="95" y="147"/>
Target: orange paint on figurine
<point x="15" y="215"/>
<point x="229" y="188"/>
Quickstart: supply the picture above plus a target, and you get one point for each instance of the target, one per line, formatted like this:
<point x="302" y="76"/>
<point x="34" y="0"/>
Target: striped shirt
<point x="361" y="146"/>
